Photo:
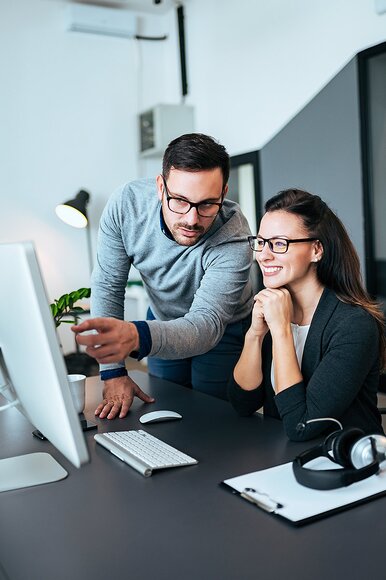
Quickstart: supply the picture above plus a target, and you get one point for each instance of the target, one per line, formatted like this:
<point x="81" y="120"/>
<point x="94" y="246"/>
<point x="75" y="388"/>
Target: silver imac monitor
<point x="33" y="376"/>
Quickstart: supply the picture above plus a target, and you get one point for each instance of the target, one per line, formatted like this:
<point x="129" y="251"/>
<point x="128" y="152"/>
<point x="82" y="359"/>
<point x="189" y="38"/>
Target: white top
<point x="299" y="334"/>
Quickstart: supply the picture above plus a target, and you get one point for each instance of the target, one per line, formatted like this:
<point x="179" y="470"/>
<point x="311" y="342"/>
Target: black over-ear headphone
<point x="358" y="454"/>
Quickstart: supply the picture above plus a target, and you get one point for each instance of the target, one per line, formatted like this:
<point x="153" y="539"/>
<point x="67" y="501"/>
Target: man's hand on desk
<point x="118" y="396"/>
<point x="110" y="340"/>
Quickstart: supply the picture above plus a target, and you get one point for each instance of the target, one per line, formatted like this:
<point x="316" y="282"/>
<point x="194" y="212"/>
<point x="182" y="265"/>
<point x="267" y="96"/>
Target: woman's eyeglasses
<point x="276" y="245"/>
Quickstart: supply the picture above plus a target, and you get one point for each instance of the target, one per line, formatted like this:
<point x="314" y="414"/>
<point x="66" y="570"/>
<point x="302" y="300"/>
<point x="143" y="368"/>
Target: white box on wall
<point x="161" y="124"/>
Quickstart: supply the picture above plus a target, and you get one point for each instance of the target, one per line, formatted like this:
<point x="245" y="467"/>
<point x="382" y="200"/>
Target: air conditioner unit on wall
<point x="101" y="20"/>
<point x="161" y="124"/>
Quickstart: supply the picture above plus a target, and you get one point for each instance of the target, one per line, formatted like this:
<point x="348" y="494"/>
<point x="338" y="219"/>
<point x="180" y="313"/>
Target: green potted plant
<point x="64" y="311"/>
<point x="64" y="306"/>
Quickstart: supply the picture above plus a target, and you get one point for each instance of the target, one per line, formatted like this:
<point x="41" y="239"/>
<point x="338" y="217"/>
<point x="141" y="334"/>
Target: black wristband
<point x="113" y="373"/>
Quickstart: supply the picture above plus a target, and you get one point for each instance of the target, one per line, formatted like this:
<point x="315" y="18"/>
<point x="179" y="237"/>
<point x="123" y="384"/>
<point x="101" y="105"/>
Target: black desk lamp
<point x="74" y="213"/>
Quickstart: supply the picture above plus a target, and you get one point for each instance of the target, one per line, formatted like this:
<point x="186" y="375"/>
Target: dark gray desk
<point x="107" y="522"/>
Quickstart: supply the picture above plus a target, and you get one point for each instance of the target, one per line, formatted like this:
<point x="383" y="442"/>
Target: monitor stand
<point x="24" y="470"/>
<point x="28" y="470"/>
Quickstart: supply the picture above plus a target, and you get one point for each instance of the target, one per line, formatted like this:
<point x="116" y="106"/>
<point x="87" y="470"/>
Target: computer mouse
<point x="155" y="416"/>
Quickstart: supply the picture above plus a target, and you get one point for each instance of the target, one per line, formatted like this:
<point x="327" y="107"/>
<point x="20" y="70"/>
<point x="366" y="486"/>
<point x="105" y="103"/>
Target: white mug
<point x="77" y="385"/>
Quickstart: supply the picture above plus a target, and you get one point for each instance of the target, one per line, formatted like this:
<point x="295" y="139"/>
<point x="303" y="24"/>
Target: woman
<point x="316" y="343"/>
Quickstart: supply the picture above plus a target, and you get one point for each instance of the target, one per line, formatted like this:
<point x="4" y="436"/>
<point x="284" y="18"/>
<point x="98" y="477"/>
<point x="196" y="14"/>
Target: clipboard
<point x="277" y="492"/>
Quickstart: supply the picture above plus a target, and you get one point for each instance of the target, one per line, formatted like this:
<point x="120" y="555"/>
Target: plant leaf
<point x="63" y="305"/>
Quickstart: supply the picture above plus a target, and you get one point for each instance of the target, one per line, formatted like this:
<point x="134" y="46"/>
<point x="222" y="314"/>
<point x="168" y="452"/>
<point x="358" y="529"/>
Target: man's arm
<point x="109" y="281"/>
<point x="195" y="333"/>
<point x="222" y="290"/>
<point x="111" y="271"/>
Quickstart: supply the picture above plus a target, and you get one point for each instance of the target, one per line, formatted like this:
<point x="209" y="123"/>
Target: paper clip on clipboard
<point x="261" y="500"/>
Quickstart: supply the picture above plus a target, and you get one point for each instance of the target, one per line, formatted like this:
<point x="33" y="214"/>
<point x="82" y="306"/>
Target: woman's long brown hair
<point x="339" y="267"/>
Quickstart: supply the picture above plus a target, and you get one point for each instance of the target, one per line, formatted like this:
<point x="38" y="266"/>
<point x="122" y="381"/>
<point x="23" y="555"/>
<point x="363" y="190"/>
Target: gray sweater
<point x="194" y="292"/>
<point x="340" y="369"/>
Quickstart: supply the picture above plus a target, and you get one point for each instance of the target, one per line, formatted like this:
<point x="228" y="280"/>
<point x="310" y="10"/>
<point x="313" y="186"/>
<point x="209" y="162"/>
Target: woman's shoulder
<point x="352" y="318"/>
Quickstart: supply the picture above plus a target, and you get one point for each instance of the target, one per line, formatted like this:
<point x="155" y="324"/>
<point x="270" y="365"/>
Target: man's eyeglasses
<point x="182" y="206"/>
<point x="276" y="245"/>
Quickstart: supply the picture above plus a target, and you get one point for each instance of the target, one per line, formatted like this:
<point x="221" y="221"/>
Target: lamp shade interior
<point x="74" y="212"/>
<point x="71" y="216"/>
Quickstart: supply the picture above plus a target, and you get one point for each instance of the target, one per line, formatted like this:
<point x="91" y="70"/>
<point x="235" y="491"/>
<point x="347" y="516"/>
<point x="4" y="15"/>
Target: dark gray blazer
<point x="340" y="369"/>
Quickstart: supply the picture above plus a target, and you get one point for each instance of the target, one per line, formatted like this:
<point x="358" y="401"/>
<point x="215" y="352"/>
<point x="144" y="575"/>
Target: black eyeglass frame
<point x="191" y="204"/>
<point x="270" y="244"/>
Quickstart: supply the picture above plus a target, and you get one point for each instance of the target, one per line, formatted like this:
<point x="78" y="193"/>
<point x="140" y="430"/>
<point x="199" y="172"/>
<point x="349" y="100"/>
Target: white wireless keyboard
<point x="143" y="451"/>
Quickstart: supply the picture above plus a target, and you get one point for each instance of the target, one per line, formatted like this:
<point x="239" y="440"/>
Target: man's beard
<point x="185" y="241"/>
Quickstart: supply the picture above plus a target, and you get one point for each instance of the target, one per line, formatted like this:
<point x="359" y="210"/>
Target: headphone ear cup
<point x="341" y="445"/>
<point x="362" y="453"/>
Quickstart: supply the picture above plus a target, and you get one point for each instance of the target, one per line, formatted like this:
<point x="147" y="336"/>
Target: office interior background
<point x="70" y="104"/>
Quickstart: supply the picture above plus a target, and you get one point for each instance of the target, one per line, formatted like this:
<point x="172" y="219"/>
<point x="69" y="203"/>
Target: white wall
<point x="68" y="118"/>
<point x="253" y="64"/>
<point x="69" y="101"/>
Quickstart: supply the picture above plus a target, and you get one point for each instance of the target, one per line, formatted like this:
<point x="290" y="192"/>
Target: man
<point x="190" y="247"/>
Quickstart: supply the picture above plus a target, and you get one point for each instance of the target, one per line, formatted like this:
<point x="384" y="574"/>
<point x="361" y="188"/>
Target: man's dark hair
<point x="196" y="152"/>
